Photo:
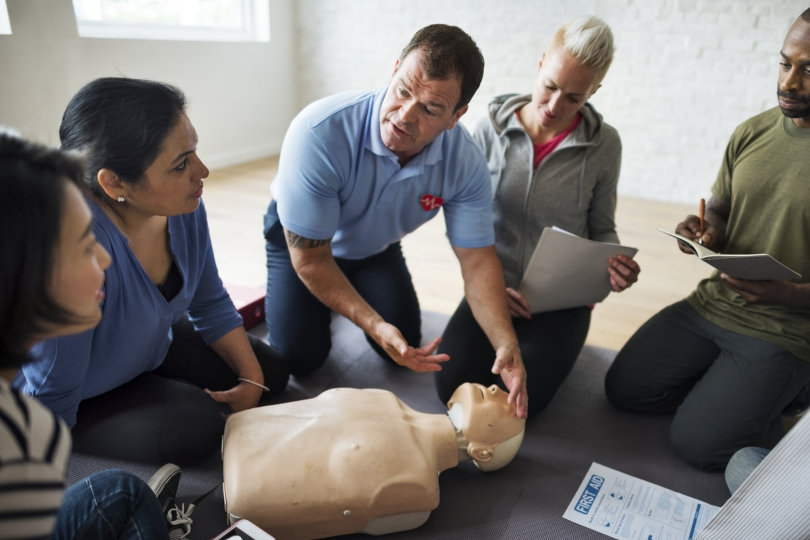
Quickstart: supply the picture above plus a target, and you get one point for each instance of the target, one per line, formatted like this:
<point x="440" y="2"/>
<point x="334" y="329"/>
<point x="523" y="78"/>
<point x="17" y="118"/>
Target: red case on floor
<point x="249" y="302"/>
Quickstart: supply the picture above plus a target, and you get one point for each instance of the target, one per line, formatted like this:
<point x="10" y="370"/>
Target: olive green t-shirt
<point x="765" y="180"/>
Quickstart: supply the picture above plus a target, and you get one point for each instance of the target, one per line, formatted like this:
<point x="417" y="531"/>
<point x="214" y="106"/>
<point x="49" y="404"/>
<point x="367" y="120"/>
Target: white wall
<point x="241" y="95"/>
<point x="686" y="72"/>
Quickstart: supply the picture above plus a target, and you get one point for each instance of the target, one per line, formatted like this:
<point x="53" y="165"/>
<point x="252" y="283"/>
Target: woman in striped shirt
<point x="51" y="276"/>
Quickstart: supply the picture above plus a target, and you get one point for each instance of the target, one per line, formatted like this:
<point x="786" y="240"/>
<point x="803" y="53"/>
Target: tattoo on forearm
<point x="296" y="241"/>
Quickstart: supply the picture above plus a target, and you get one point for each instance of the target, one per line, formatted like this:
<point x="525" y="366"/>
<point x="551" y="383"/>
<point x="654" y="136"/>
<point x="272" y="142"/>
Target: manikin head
<point x="490" y="425"/>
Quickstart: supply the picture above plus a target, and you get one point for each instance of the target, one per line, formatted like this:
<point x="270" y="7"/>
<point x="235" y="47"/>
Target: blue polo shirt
<point x="336" y="179"/>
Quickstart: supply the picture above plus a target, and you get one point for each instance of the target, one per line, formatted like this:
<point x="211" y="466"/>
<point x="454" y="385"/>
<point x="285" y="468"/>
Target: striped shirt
<point x="34" y="449"/>
<point x="771" y="504"/>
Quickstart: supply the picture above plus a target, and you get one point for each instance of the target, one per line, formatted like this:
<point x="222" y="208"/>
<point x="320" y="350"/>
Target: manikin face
<point x="561" y="88"/>
<point x="80" y="262"/>
<point x="793" y="89"/>
<point x="417" y="109"/>
<point x="173" y="183"/>
<point x="487" y="420"/>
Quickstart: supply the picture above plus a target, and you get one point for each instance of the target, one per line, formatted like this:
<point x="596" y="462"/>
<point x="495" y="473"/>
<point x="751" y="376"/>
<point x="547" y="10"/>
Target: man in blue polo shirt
<point x="357" y="172"/>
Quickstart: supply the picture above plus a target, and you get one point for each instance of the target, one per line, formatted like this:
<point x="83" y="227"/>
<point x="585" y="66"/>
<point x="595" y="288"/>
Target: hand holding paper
<point x="568" y="271"/>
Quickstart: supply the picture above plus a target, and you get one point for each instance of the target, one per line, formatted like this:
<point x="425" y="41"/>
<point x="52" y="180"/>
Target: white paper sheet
<point x="621" y="506"/>
<point x="567" y="271"/>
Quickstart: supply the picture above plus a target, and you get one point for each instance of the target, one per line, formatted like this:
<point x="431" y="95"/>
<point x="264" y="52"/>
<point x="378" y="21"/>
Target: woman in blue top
<point x="170" y="356"/>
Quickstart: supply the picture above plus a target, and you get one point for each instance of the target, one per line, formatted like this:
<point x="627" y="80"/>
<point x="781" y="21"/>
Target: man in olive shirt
<point x="728" y="359"/>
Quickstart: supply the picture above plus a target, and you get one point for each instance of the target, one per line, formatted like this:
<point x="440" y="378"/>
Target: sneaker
<point x="179" y="521"/>
<point x="164" y="483"/>
<point x="178" y="518"/>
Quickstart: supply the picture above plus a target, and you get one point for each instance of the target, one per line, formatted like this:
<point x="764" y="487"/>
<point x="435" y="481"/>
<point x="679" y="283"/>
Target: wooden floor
<point x="237" y="197"/>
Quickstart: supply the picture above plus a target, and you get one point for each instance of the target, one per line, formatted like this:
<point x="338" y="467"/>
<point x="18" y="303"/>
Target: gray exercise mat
<point x="525" y="499"/>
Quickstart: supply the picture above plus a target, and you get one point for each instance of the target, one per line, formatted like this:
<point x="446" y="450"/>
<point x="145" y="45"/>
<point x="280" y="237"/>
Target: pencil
<point x="701" y="213"/>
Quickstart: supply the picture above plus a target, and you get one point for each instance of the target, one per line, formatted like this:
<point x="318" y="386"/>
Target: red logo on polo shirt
<point x="430" y="202"/>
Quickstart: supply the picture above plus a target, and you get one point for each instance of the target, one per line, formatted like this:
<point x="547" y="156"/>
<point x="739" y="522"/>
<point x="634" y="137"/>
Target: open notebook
<point x="755" y="266"/>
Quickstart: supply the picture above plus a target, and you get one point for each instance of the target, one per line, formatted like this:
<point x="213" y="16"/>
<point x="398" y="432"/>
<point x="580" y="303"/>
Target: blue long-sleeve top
<point x="135" y="329"/>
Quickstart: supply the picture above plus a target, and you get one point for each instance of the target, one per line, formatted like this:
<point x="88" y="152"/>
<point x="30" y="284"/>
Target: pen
<point x="701" y="213"/>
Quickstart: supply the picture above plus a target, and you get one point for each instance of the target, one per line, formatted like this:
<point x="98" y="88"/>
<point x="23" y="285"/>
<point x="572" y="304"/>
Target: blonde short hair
<point x="589" y="40"/>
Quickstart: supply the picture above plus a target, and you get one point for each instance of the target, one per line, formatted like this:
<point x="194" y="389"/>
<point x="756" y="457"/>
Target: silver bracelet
<point x="254" y="383"/>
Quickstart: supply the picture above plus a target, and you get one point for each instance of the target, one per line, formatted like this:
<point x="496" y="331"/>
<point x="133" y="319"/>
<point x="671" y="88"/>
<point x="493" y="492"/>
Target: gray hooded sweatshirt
<point x="573" y="188"/>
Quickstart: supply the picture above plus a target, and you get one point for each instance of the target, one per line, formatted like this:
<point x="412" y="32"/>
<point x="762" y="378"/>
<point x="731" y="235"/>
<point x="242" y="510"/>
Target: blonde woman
<point x="553" y="161"/>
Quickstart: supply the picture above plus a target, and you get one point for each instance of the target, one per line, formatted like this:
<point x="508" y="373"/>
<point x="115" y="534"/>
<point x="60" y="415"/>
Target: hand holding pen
<point x="702" y="230"/>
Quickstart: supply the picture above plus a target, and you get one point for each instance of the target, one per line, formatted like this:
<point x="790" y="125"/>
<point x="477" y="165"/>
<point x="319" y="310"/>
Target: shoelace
<point x="179" y="519"/>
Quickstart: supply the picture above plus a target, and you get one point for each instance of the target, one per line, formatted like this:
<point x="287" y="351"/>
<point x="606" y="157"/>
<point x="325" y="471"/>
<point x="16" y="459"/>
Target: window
<point x="5" y="24"/>
<point x="190" y="20"/>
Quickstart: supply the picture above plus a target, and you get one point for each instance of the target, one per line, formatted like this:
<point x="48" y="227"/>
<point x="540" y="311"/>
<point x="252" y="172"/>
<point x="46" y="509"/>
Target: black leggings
<point x="549" y="345"/>
<point x="164" y="415"/>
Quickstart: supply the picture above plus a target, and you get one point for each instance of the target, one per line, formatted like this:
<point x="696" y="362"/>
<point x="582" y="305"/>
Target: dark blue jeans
<point x="298" y="324"/>
<point x="109" y="505"/>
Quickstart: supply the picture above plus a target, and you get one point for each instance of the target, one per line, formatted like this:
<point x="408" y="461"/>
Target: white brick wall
<point x="686" y="72"/>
